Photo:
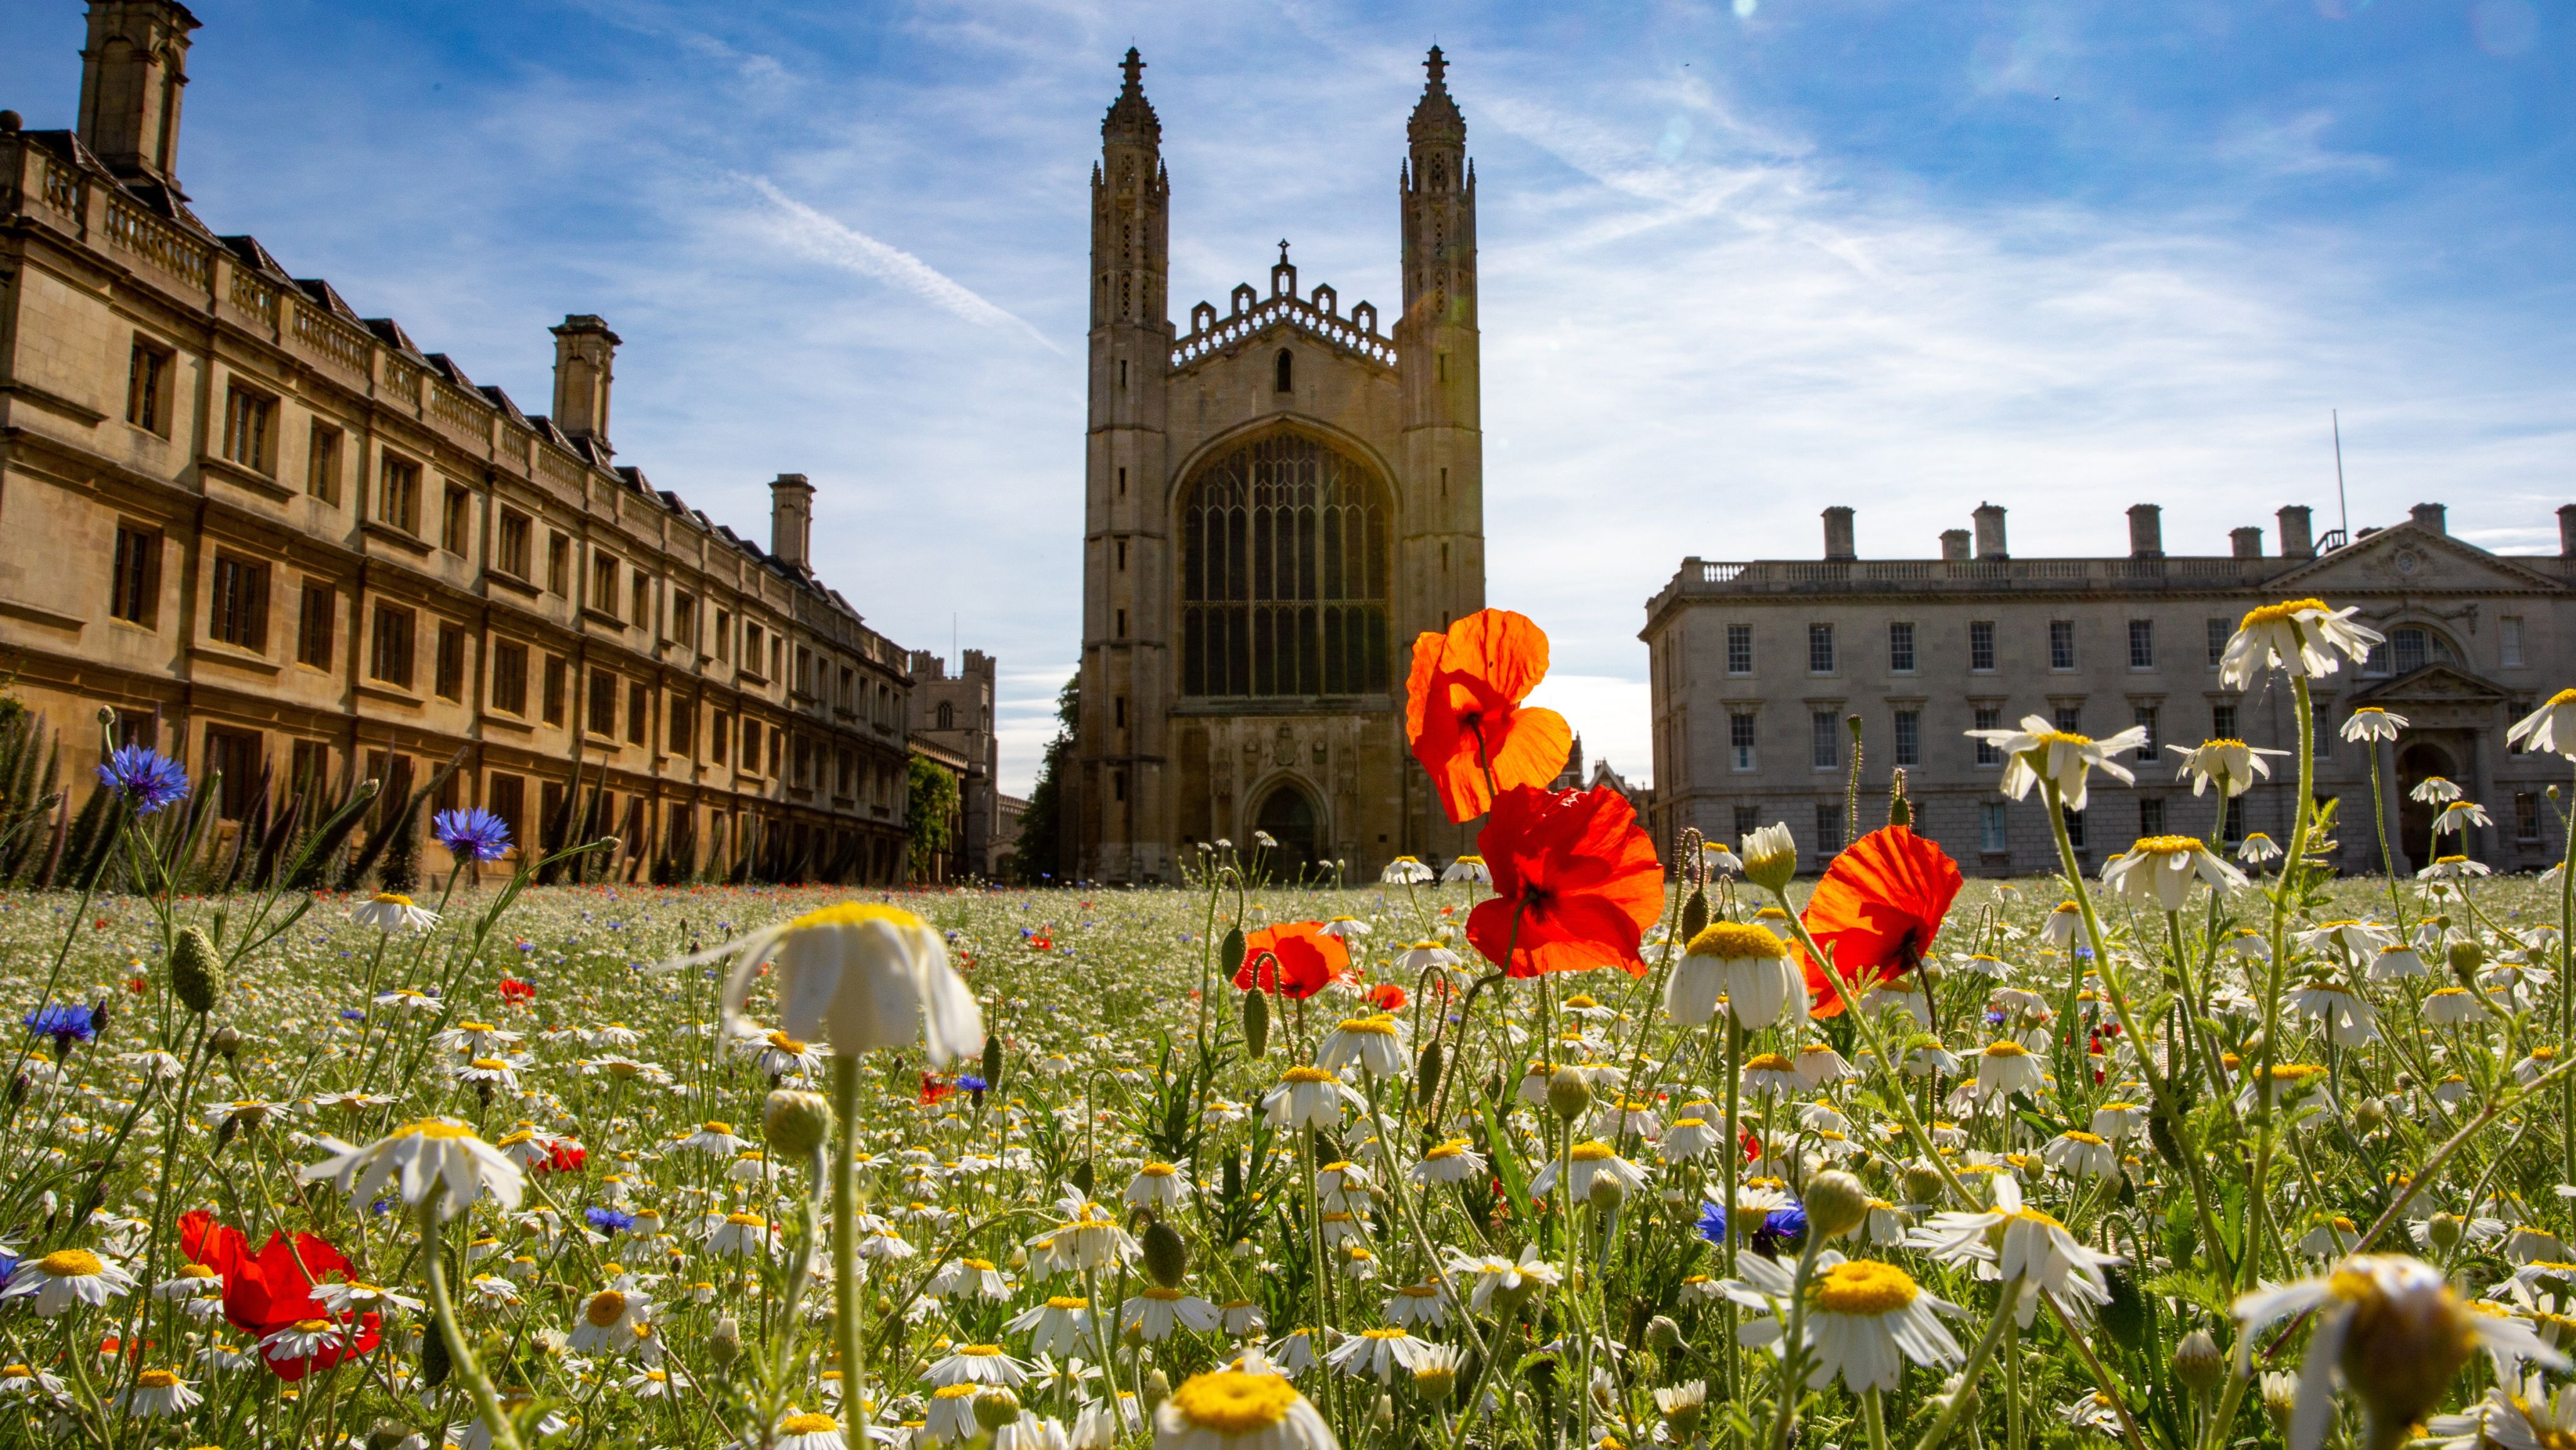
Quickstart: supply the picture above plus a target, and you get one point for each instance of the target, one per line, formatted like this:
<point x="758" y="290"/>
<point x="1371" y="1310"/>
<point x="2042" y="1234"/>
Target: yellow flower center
<point x="606" y="1308"/>
<point x="956" y="1392"/>
<point x="156" y="1379"/>
<point x="747" y="1220"/>
<point x="714" y="1126"/>
<point x="312" y="1326"/>
<point x="785" y="1043"/>
<point x="1580" y="999"/>
<point x="2061" y="737"/>
<point x="70" y="1264"/>
<point x="1449" y="1149"/>
<point x="1305" y="1075"/>
<point x="1231" y="1402"/>
<point x="807" y="1424"/>
<point x="1736" y="941"/>
<point x="1864" y="1287"/>
<point x="392" y="898"/>
<point x="1157" y="1291"/>
<point x="1381" y="1025"/>
<point x="1592" y="1152"/>
<point x="494" y="1064"/>
<point x="1770" y="1062"/>
<point x="854" y="913"/>
<point x="197" y="1271"/>
<point x="2165" y="845"/>
<point x="980" y="1351"/>
<point x="2006" y="1049"/>
<point x="435" y="1129"/>
<point x="2078" y="1135"/>
<point x="2286" y="609"/>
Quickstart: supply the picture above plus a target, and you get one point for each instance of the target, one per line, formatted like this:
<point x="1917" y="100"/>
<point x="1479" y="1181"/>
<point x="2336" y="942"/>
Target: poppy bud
<point x="1167" y="1258"/>
<point x="196" y="970"/>
<point x="1158" y="1388"/>
<point x="1231" y="954"/>
<point x="2124" y="1314"/>
<point x="796" y="1123"/>
<point x="1569" y="1092"/>
<point x="1426" y="1074"/>
<point x="1081" y="1177"/>
<point x="1256" y="1023"/>
<point x="992" y="1073"/>
<point x="106" y="715"/>
<point x="366" y="791"/>
<point x="434" y="1363"/>
<point x="98" y="1016"/>
<point x="1695" y="913"/>
<point x="995" y="1408"/>
<point x="2197" y="1362"/>
<point x="1837" y="1203"/>
<point x="724" y="1343"/>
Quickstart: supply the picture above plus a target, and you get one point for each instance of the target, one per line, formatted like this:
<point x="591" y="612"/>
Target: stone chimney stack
<point x="2567" y="530"/>
<point x="585" y="355"/>
<point x="1954" y="544"/>
<point x="2248" y="541"/>
<point x="132" y="72"/>
<point x="2430" y="517"/>
<point x="2297" y="540"/>
<point x="791" y="520"/>
<point x="2146" y="531"/>
<point x="1838" y="533"/>
<point x="1990" y="532"/>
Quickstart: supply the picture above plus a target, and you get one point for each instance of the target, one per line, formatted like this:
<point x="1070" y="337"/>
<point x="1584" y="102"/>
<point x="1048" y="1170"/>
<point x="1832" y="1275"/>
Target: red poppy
<point x="1577" y="883"/>
<point x="1387" y="997"/>
<point x="1464" y="717"/>
<point x="1040" y="943"/>
<point x="1302" y="957"/>
<point x="1876" y="911"/>
<point x="934" y="1089"/>
<point x="514" y="990"/>
<point x="563" y="1156"/>
<point x="1751" y="1143"/>
<point x="267" y="1291"/>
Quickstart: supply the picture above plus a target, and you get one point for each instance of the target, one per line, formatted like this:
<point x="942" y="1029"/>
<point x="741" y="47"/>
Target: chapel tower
<point x="1276" y="501"/>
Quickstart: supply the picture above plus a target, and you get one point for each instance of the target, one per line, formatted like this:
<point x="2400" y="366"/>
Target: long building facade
<point x="285" y="545"/>
<point x="1759" y="666"/>
<point x="1276" y="502"/>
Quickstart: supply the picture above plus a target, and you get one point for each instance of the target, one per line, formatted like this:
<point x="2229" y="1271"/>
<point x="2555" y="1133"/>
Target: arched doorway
<point x="2416" y="762"/>
<point x="1288" y="814"/>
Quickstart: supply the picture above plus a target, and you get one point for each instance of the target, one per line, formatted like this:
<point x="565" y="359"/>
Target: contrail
<point x="817" y="236"/>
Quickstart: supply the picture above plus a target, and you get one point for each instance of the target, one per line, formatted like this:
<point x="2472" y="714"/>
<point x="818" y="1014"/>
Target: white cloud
<point x="809" y="233"/>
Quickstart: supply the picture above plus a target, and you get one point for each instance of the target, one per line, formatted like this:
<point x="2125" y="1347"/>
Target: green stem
<point x="845" y="1242"/>
<point x="478" y="1385"/>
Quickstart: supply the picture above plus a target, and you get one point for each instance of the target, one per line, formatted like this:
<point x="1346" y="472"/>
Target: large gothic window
<point x="1284" y="574"/>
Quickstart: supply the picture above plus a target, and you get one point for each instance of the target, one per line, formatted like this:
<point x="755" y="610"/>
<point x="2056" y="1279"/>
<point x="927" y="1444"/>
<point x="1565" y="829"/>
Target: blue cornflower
<point x="609" y="1220"/>
<point x="352" y="1014"/>
<point x="147" y="779"/>
<point x="1712" y="1223"/>
<point x="969" y="1082"/>
<point x="1781" y="1228"/>
<point x="473" y="832"/>
<point x="64" y="1024"/>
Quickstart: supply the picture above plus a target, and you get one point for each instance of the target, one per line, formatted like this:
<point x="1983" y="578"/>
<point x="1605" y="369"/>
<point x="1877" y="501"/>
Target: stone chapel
<point x="1276" y="501"/>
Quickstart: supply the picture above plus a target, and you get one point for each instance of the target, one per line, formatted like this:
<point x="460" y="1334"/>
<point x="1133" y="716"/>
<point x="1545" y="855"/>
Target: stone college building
<point x="1758" y="664"/>
<point x="1276" y="502"/>
<point x="286" y="545"/>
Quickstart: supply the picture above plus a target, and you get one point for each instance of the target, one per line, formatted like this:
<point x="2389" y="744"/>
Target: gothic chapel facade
<point x="1276" y="502"/>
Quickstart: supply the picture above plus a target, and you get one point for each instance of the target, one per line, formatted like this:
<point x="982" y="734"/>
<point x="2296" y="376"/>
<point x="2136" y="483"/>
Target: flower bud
<point x="1569" y="1092"/>
<point x="106" y="715"/>
<point x="1923" y="1183"/>
<point x="1663" y="1334"/>
<point x="1426" y="1074"/>
<point x="1167" y="1258"/>
<point x="2197" y="1362"/>
<point x="796" y="1123"/>
<point x="2370" y="1115"/>
<point x="724" y="1344"/>
<point x="2466" y="958"/>
<point x="1607" y="1192"/>
<point x="1771" y="858"/>
<point x="434" y="1362"/>
<point x="224" y="1041"/>
<point x="1158" y="1388"/>
<point x="1682" y="1406"/>
<point x="1256" y="1022"/>
<point x="1382" y="1418"/>
<point x="1435" y="1382"/>
<point x="1837" y="1203"/>
<point x="997" y="1407"/>
<point x="1695" y="913"/>
<point x="196" y="970"/>
<point x="2442" y="1231"/>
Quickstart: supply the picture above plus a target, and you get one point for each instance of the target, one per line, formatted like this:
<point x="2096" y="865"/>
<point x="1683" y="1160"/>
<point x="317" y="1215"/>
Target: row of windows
<point x="2408" y="648"/>
<point x="249" y="440"/>
<point x="1994" y="824"/>
<point x="1829" y="731"/>
<point x="238" y="615"/>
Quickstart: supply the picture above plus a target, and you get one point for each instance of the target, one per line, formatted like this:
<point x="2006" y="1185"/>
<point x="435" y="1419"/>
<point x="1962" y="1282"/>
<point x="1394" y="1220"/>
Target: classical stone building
<point x="286" y="545"/>
<point x="1757" y="665"/>
<point x="1276" y="502"/>
<point x="953" y="718"/>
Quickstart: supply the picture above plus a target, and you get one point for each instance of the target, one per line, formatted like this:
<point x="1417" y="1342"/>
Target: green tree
<point x="1046" y="835"/>
<point x="932" y="814"/>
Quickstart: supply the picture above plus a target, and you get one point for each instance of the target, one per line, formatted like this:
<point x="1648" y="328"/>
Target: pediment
<point x="2434" y="684"/>
<point x="2412" y="559"/>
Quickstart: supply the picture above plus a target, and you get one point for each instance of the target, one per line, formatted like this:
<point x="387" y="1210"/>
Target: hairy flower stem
<point x="478" y="1385"/>
<point x="2284" y="897"/>
<point x="2387" y="859"/>
<point x="1996" y="1328"/>
<point x="845" y="1240"/>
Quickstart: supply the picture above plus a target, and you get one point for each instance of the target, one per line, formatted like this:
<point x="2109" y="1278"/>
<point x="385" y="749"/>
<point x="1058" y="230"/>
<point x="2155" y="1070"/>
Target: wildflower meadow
<point x="1575" y="1142"/>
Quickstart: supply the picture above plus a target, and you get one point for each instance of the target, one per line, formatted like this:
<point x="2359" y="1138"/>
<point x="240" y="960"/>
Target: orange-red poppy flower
<point x="1577" y="883"/>
<point x="1294" y="959"/>
<point x="1464" y="716"/>
<point x="1876" y="912"/>
<point x="1387" y="997"/>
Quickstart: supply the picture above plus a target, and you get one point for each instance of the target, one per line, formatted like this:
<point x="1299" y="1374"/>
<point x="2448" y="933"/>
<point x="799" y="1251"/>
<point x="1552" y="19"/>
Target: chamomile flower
<point x="2040" y="751"/>
<point x="1450" y="1161"/>
<point x="2551" y="729"/>
<point x="1375" y="1042"/>
<point x="1587" y="1166"/>
<point x="1377" y="1353"/>
<point x="860" y="975"/>
<point x="2157" y="872"/>
<point x="1309" y="1097"/>
<point x="1060" y="1325"/>
<point x="2297" y="636"/>
<point x="437" y="1159"/>
<point x="1156" y="1311"/>
<point x="2231" y="765"/>
<point x="1239" y="1409"/>
<point x="1746" y="966"/>
<point x="391" y="911"/>
<point x="2035" y="1249"/>
<point x="160" y="1392"/>
<point x="1864" y="1319"/>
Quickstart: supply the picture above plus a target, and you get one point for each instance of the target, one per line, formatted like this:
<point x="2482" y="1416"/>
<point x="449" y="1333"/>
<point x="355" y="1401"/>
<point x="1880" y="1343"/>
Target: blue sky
<point x="1740" y="261"/>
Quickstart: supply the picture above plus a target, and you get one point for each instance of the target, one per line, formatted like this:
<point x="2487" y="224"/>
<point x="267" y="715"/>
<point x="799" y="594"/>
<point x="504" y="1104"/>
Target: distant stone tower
<point x="1276" y="502"/>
